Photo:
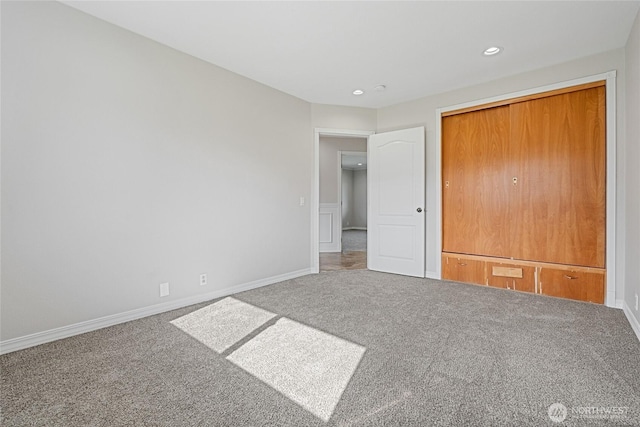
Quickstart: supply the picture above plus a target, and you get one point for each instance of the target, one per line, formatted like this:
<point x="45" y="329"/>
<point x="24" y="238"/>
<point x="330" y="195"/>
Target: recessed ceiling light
<point x="358" y="92"/>
<point x="359" y="164"/>
<point x="380" y="88"/>
<point x="493" y="50"/>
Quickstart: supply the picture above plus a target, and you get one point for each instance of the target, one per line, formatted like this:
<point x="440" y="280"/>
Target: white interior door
<point x="396" y="181"/>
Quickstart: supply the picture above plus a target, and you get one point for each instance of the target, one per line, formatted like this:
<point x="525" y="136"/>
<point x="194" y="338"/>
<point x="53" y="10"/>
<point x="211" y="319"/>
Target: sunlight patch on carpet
<point x="308" y="366"/>
<point x="224" y="323"/>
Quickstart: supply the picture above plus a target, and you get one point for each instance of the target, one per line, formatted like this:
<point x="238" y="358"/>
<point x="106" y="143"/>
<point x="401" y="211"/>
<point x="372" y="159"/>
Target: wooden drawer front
<point x="463" y="270"/>
<point x="511" y="276"/>
<point x="572" y="284"/>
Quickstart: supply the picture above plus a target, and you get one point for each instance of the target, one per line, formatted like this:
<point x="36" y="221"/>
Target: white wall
<point x="329" y="164"/>
<point x="422" y="112"/>
<point x="345" y="118"/>
<point x="632" y="231"/>
<point x="347" y="197"/>
<point x="359" y="216"/>
<point x="354" y="198"/>
<point x="126" y="164"/>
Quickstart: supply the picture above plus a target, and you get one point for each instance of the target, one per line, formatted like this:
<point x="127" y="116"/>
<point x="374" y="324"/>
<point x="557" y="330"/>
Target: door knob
<point x="419" y="210"/>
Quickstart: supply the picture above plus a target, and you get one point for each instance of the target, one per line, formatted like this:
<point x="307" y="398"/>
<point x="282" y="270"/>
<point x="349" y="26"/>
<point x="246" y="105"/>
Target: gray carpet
<point x="434" y="353"/>
<point x="354" y="240"/>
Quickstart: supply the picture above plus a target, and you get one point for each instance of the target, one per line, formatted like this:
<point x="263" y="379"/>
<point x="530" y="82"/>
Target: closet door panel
<point x="474" y="178"/>
<point x="558" y="201"/>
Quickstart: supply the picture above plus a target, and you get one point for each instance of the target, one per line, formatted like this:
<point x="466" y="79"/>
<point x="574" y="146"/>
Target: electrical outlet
<point x="301" y="200"/>
<point x="164" y="289"/>
<point x="203" y="279"/>
<point x="636" y="302"/>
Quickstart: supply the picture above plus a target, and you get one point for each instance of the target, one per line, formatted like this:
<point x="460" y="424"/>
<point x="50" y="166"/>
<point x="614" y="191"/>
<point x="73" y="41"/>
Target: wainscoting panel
<point x="329" y="227"/>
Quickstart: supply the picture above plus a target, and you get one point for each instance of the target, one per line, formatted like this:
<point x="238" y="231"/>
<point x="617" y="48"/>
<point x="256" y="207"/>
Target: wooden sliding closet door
<point x="475" y="182"/>
<point x="558" y="202"/>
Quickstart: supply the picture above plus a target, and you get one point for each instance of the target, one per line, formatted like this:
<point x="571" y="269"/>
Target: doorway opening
<point x="342" y="195"/>
<point x="395" y="199"/>
<point x="352" y="217"/>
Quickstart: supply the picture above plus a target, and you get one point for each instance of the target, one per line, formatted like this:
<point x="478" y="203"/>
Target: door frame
<point x="611" y="143"/>
<point x="315" y="187"/>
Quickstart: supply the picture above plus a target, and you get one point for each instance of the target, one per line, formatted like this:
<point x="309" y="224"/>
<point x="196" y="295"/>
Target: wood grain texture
<point x="572" y="284"/>
<point x="474" y="177"/>
<point x="564" y="281"/>
<point x="463" y="270"/>
<point x="511" y="271"/>
<point x="521" y="262"/>
<point x="557" y="209"/>
<point x="525" y="98"/>
<point x="495" y="278"/>
<point x="332" y="261"/>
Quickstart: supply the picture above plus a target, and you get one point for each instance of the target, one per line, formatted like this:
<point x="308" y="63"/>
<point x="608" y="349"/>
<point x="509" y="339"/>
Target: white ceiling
<point x="321" y="51"/>
<point x="354" y="162"/>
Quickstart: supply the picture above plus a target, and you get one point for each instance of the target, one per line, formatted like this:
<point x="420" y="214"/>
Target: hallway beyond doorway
<point x="354" y="240"/>
<point x="353" y="255"/>
<point x="332" y="261"/>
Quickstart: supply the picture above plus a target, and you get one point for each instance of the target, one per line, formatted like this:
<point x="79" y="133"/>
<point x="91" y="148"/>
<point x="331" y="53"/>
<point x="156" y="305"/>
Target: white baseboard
<point x="635" y="325"/>
<point x="38" y="338"/>
<point x="431" y="275"/>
